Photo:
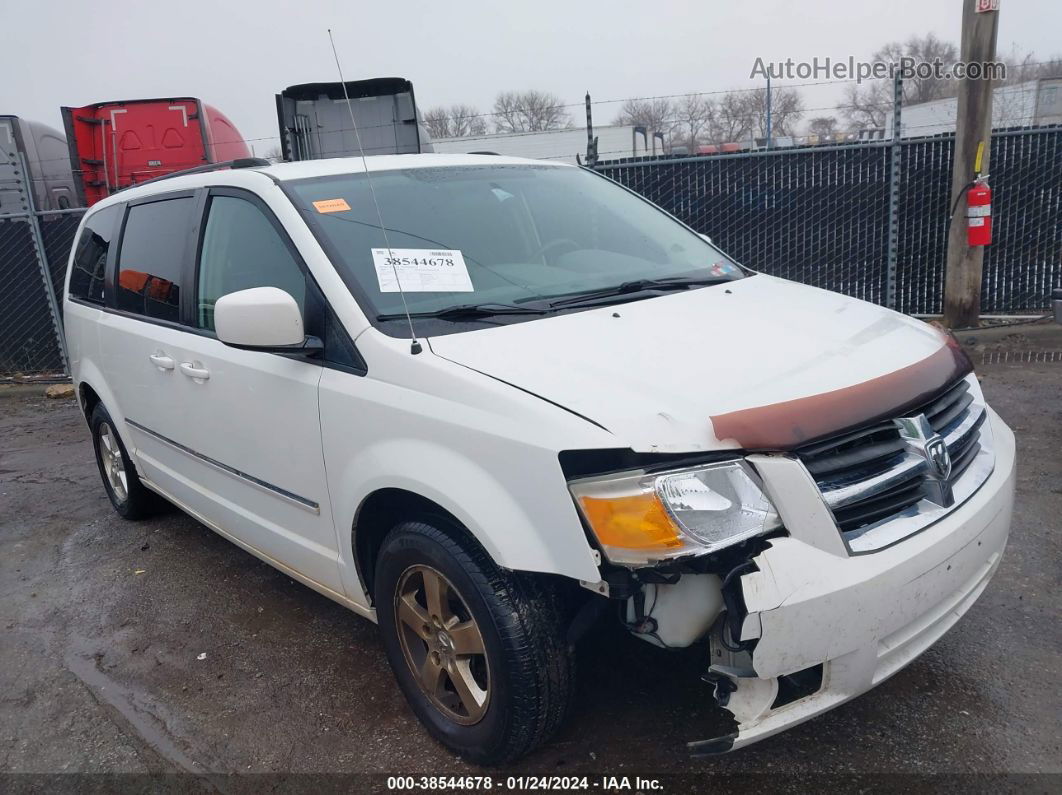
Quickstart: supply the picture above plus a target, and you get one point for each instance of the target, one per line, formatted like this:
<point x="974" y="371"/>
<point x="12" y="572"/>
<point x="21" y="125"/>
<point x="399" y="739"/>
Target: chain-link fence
<point x="57" y="232"/>
<point x="823" y="215"/>
<point x="28" y="340"/>
<point x="34" y="248"/>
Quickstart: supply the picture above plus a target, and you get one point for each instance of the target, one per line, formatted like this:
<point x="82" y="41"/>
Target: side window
<point x="151" y="258"/>
<point x="242" y="249"/>
<point x="90" y="256"/>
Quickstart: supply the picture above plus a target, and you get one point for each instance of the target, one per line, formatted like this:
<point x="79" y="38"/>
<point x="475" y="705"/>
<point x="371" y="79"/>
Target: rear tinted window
<point x="90" y="258"/>
<point x="151" y="260"/>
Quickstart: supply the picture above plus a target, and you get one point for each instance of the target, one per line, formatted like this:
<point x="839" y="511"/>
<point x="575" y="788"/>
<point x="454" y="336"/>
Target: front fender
<point x="533" y="527"/>
<point x="485" y="452"/>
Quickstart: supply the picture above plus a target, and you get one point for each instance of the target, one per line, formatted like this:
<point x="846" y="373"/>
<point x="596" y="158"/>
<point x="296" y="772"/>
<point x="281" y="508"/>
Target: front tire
<point x="130" y="499"/>
<point x="478" y="652"/>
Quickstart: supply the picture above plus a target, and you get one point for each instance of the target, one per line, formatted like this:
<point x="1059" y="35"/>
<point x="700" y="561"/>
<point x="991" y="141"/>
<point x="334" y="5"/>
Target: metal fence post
<point x="895" y="152"/>
<point x="42" y="262"/>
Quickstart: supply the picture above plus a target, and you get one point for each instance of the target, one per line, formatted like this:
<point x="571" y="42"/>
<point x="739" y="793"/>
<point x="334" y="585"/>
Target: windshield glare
<point x="526" y="233"/>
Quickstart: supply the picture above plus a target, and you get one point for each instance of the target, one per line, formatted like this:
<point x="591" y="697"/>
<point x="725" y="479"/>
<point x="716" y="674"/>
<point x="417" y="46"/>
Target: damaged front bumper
<point x="823" y="627"/>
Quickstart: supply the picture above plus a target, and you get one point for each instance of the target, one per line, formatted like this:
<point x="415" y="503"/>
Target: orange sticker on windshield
<point x="331" y="206"/>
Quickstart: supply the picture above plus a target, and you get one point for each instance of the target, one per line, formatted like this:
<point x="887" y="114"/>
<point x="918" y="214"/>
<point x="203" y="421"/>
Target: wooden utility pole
<point x="973" y="132"/>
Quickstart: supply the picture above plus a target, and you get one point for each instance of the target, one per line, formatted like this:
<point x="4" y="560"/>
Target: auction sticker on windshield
<point x="421" y="270"/>
<point x="331" y="206"/>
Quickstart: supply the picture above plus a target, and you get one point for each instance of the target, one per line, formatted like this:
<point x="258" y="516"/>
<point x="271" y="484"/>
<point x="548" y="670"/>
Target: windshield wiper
<point x="638" y="286"/>
<point x="476" y="311"/>
<point x="469" y="312"/>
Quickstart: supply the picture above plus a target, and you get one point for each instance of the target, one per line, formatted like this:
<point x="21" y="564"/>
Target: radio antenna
<point x="414" y="346"/>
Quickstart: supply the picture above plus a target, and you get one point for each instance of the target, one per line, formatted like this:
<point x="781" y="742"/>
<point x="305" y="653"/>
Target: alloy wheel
<point x="112" y="462"/>
<point x="442" y="644"/>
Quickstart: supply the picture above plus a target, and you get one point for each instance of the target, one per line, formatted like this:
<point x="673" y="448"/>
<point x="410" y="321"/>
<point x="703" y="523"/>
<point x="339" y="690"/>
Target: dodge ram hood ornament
<point x="920" y="439"/>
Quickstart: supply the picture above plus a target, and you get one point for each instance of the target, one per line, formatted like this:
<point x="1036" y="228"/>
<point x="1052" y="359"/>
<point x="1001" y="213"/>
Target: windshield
<point x="498" y="236"/>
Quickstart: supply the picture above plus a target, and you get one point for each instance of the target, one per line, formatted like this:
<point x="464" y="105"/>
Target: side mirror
<point x="263" y="319"/>
<point x="705" y="238"/>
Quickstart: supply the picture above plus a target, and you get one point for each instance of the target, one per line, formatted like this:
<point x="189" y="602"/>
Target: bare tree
<point x="693" y="117"/>
<point x="529" y="111"/>
<point x="787" y="107"/>
<point x="823" y="126"/>
<point x="928" y="49"/>
<point x="868" y="105"/>
<point x="656" y="115"/>
<point x="1014" y="102"/>
<point x="455" y="121"/>
<point x="466" y="120"/>
<point x="1008" y="102"/>
<point x="274" y="155"/>
<point x="1051" y="68"/>
<point x="437" y="120"/>
<point x="1024" y="66"/>
<point x="730" y="121"/>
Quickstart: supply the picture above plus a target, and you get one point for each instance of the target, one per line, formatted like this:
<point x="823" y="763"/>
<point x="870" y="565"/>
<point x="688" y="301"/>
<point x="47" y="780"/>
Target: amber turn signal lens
<point x="635" y="522"/>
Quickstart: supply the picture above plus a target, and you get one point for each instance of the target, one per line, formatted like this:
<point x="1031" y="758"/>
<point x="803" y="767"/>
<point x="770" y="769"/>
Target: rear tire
<point x="129" y="497"/>
<point x="478" y="652"/>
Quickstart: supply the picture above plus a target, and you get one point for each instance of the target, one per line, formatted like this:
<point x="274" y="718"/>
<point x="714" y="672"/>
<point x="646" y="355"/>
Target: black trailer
<point x="315" y="122"/>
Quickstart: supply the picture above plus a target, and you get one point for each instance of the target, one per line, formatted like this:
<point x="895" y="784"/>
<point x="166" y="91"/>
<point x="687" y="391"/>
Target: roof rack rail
<point x="240" y="162"/>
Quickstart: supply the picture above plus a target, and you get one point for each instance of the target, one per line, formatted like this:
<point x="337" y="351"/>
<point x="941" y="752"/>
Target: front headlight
<point x="641" y="518"/>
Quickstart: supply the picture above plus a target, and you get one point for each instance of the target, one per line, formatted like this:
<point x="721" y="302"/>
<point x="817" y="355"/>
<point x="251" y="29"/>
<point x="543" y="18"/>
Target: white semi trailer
<point x="563" y="146"/>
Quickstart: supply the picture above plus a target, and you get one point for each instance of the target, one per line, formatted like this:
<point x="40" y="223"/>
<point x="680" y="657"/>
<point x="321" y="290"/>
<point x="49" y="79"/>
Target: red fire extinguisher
<point x="979" y="214"/>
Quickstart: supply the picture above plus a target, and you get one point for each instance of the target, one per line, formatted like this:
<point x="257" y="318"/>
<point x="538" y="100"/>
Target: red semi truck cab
<point x="117" y="144"/>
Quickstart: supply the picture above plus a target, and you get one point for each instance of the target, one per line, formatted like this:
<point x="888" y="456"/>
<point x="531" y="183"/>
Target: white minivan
<point x="487" y="402"/>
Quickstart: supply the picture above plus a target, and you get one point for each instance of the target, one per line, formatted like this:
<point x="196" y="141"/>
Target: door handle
<point x="162" y="361"/>
<point x="198" y="373"/>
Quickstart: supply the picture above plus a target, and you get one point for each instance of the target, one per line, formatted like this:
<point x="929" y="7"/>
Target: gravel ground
<point x="106" y="624"/>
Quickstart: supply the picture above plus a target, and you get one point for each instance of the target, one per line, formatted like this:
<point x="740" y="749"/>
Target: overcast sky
<point x="238" y="54"/>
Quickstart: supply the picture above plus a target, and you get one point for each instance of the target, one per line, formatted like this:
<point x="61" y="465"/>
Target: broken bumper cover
<point x="862" y="618"/>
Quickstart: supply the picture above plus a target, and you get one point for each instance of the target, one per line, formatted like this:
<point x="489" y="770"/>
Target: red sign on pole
<point x="987" y="5"/>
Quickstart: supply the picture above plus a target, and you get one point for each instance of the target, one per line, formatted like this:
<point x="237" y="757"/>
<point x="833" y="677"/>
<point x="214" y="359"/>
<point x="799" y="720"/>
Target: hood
<point x="759" y="363"/>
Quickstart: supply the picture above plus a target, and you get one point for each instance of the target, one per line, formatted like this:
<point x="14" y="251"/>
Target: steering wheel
<point x="566" y="242"/>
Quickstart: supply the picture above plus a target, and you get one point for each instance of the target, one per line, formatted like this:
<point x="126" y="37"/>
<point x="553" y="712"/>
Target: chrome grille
<point x="869" y="476"/>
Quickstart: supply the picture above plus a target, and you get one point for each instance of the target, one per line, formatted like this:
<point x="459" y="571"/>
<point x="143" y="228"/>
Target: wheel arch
<point x="387" y="507"/>
<point x="92" y="391"/>
<point x="88" y="398"/>
<point x="513" y="501"/>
